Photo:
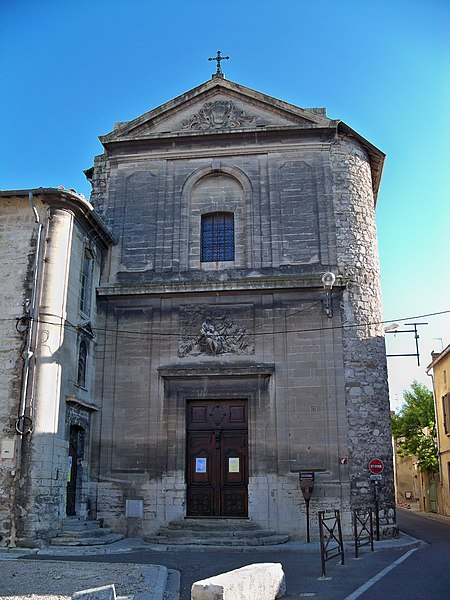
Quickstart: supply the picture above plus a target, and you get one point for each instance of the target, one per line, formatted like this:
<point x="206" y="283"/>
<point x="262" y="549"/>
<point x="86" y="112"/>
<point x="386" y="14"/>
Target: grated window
<point x="217" y="235"/>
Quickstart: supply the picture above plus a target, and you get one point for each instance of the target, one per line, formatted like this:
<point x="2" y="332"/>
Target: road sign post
<point x="376" y="468"/>
<point x="307" y="486"/>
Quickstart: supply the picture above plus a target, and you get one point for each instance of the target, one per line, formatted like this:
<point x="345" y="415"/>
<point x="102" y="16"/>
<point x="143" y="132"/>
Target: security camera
<point x="328" y="280"/>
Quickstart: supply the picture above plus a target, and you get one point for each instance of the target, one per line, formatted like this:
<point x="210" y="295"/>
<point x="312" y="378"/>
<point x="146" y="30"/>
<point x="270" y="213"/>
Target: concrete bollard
<point x="262" y="581"/>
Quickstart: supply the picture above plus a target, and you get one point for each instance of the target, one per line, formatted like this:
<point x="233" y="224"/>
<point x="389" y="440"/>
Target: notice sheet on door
<point x="200" y="465"/>
<point x="233" y="465"/>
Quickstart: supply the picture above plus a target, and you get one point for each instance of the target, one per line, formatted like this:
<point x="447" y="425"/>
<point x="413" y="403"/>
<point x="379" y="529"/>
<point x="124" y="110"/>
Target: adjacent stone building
<point x="51" y="246"/>
<point x="439" y="487"/>
<point x="237" y="325"/>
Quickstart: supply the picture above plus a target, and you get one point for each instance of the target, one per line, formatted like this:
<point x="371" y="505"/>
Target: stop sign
<point x="376" y="466"/>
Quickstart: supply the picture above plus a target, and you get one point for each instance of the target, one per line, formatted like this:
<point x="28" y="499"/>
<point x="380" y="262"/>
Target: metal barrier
<point x="362" y="528"/>
<point x="331" y="543"/>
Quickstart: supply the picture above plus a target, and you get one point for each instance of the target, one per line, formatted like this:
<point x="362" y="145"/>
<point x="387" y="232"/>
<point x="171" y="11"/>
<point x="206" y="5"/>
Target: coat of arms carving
<point x="220" y="114"/>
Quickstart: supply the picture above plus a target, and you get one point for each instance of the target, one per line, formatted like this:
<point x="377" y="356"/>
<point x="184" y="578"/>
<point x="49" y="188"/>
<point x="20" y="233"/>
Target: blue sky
<point x="70" y="69"/>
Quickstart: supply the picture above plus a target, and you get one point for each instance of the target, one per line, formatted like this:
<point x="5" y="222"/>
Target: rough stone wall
<point x="367" y="396"/>
<point x="17" y="250"/>
<point x="99" y="183"/>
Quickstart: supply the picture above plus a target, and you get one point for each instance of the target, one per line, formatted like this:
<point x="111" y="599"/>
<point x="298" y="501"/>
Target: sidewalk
<point x="124" y="563"/>
<point x="414" y="508"/>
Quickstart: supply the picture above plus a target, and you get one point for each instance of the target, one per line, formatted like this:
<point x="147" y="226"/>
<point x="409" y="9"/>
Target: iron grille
<point x="217" y="234"/>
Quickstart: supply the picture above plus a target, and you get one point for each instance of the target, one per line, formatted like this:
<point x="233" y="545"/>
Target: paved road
<point x="415" y="573"/>
<point x="302" y="568"/>
<point x="425" y="574"/>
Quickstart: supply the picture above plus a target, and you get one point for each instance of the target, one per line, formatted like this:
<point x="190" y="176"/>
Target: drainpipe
<point x="24" y="422"/>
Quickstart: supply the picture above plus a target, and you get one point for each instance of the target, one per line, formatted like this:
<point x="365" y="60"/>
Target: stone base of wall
<point x="275" y="502"/>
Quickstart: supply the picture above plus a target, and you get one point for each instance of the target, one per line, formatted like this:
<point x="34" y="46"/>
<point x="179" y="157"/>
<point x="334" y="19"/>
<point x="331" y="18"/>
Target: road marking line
<point x="357" y="593"/>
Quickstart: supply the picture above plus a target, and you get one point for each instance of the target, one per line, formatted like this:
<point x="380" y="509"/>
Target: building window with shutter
<point x="446" y="411"/>
<point x="86" y="282"/>
<point x="82" y="363"/>
<point x="217" y="237"/>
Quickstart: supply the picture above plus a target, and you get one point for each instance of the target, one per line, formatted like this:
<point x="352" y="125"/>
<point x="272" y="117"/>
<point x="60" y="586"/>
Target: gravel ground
<point x="55" y="580"/>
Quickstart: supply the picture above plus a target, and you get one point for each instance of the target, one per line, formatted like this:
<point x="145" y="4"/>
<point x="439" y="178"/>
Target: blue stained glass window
<point x="217" y="234"/>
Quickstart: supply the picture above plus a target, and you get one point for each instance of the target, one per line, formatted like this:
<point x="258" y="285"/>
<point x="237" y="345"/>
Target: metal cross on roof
<point x="218" y="58"/>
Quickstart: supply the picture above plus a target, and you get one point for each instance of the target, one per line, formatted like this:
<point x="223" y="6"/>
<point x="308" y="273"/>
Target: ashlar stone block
<point x="264" y="581"/>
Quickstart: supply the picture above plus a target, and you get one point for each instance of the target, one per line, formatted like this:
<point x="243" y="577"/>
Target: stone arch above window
<point x="216" y="170"/>
<point x="222" y="191"/>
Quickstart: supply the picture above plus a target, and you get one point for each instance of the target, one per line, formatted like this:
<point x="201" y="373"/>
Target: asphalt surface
<point x="425" y="574"/>
<point x="400" y="569"/>
<point x="301" y="564"/>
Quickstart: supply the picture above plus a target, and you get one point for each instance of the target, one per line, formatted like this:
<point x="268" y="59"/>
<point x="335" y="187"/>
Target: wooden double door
<point x="217" y="458"/>
<point x="76" y="451"/>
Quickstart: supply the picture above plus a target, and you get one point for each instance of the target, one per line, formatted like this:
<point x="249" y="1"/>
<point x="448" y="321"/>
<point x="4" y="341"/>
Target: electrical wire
<point x="125" y="332"/>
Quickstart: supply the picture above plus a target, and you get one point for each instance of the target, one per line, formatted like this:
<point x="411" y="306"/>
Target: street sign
<point x="376" y="477"/>
<point x="307" y="486"/>
<point x="306" y="483"/>
<point x="376" y="466"/>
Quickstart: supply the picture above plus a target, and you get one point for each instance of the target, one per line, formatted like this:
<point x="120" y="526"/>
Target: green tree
<point x="414" y="427"/>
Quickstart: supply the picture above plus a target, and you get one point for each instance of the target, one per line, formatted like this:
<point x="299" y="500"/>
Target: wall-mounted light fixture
<point x="328" y="280"/>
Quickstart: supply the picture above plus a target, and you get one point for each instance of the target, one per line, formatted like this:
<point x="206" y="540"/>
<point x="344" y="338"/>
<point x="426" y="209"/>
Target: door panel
<point x="200" y="473"/>
<point x="217" y="464"/>
<point x="76" y="438"/>
<point x="234" y="474"/>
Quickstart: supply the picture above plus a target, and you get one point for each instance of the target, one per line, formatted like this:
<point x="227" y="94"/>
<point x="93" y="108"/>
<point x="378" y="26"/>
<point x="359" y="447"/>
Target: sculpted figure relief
<point x="208" y="330"/>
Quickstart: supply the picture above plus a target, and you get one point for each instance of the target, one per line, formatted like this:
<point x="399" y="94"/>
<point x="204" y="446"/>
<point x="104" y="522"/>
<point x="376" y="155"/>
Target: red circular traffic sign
<point x="376" y="466"/>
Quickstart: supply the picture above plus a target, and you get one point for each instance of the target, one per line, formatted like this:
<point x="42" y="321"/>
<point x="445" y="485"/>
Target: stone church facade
<point x="238" y="336"/>
<point x="227" y="367"/>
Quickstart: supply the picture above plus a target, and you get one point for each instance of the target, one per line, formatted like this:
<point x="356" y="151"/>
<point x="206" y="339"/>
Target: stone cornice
<point x="177" y="153"/>
<point x="228" y="370"/>
<point x="81" y="404"/>
<point x="75" y="203"/>
<point x="250" y="284"/>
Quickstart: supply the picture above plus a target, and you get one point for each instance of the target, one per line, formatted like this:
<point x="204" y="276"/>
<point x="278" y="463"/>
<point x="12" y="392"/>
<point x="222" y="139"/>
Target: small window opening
<point x="86" y="283"/>
<point x="217" y="237"/>
<point x="82" y="363"/>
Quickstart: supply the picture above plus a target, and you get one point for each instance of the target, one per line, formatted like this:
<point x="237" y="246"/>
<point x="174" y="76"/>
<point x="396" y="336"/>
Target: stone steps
<point x="87" y="541"/>
<point x="81" y="532"/>
<point x="223" y="534"/>
<point x="273" y="540"/>
<point x="210" y="532"/>
<point x="79" y="524"/>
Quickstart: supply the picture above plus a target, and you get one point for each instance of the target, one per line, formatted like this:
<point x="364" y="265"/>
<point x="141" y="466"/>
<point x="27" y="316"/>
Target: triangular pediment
<point x="217" y="106"/>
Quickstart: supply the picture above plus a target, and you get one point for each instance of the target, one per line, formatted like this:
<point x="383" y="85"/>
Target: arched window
<point x="82" y="363"/>
<point x="86" y="282"/>
<point x="217" y="235"/>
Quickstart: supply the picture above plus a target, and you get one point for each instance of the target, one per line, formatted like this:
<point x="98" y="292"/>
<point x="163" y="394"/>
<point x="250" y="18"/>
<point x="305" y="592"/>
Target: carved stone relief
<point x="217" y="115"/>
<point x="211" y="330"/>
